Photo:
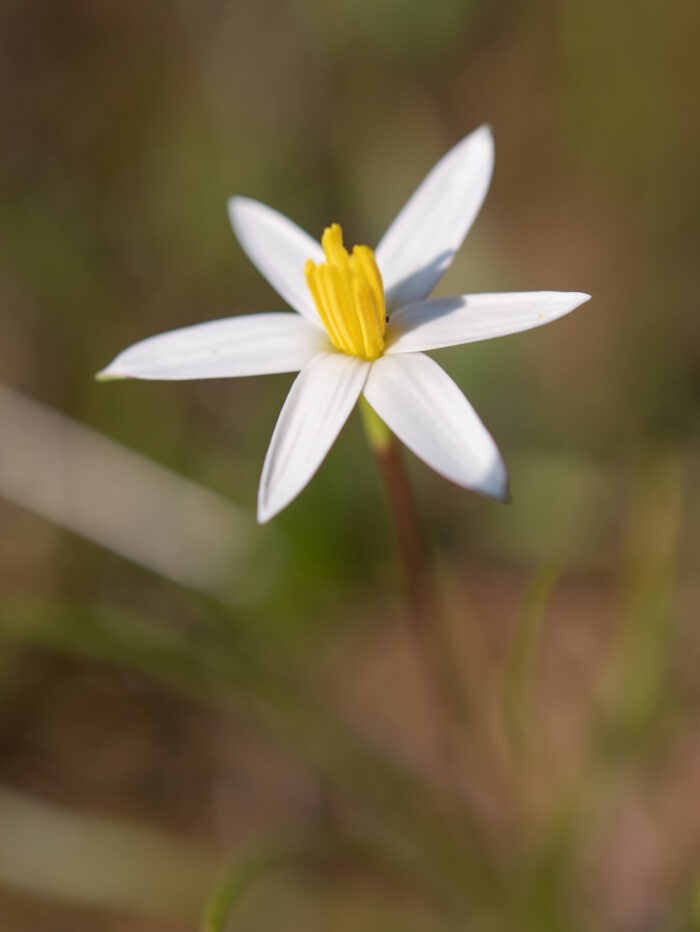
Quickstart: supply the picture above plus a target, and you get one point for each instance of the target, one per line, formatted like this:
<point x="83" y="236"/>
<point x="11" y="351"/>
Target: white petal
<point x="318" y="404"/>
<point x="429" y="325"/>
<point x="429" y="413"/>
<point x="253" y="344"/>
<point x="420" y="243"/>
<point x="279" y="249"/>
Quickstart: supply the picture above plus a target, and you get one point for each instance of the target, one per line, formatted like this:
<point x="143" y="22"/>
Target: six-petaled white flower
<point x="361" y="325"/>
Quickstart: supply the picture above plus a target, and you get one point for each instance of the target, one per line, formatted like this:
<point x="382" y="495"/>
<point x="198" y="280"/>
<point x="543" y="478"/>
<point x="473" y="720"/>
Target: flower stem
<point x="410" y="538"/>
<point x="424" y="616"/>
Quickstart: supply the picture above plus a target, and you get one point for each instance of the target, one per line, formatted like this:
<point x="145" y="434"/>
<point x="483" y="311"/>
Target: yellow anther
<point x="349" y="296"/>
<point x="363" y="259"/>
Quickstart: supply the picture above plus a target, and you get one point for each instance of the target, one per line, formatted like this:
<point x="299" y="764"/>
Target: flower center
<point x="349" y="296"/>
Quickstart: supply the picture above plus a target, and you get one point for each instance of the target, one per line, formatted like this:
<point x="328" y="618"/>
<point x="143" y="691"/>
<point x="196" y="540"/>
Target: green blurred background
<point x="272" y="727"/>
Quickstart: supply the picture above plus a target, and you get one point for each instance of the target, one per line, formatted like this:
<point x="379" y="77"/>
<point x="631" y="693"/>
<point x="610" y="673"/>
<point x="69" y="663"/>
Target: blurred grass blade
<point x="239" y="879"/>
<point x="88" y="484"/>
<point x="116" y="637"/>
<point x="637" y="689"/>
<point x="522" y="662"/>
<point x="52" y="851"/>
<point x="439" y="849"/>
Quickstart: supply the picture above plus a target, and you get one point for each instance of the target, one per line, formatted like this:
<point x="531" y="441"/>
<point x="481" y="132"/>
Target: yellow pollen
<point x="349" y="296"/>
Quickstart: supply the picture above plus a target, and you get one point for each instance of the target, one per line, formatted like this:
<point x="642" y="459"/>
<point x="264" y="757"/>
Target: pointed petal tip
<point x="483" y="137"/>
<point x="236" y="201"/>
<point x="485" y="132"/>
<point x="264" y="516"/>
<point x="496" y="484"/>
<point x="271" y="505"/>
<point x="278" y="248"/>
<point x="236" y="207"/>
<point x="108" y="375"/>
<point x="422" y="240"/>
<point x="572" y="299"/>
<point x="266" y="512"/>
<point x="232" y="208"/>
<point x="238" y="204"/>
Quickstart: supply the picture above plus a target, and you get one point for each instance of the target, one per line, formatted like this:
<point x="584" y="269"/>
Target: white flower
<point x="343" y="344"/>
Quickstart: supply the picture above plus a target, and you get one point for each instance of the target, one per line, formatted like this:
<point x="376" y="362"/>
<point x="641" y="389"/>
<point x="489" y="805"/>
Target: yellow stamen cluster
<point x="349" y="295"/>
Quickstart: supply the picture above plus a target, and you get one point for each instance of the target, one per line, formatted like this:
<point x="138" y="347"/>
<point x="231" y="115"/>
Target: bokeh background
<point x="199" y="715"/>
